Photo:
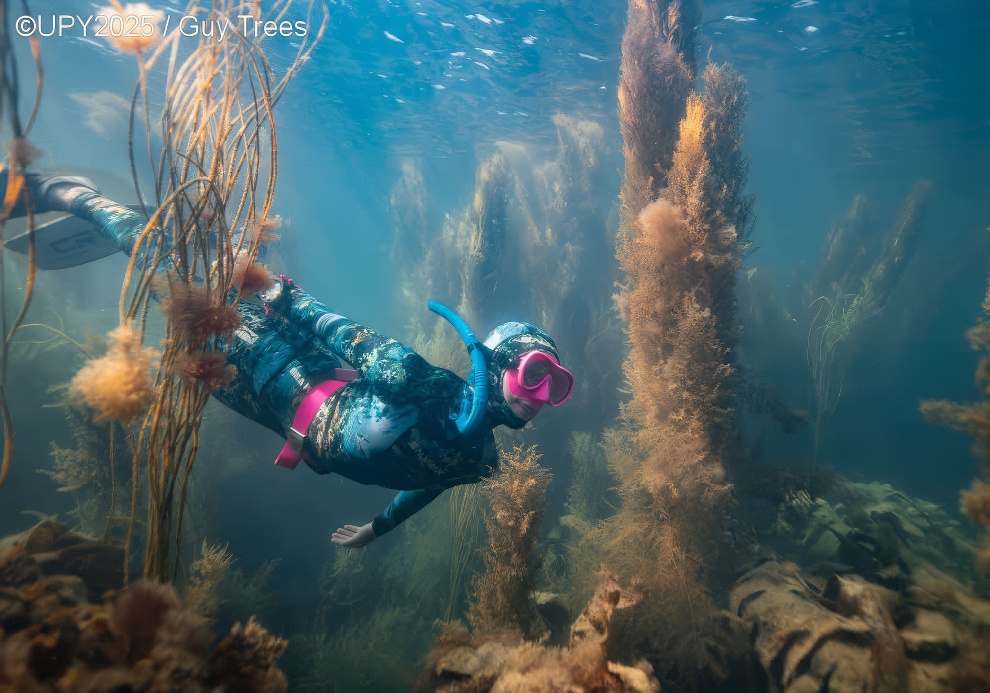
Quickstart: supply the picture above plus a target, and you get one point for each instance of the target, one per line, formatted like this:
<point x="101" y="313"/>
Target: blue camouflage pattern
<point x="393" y="426"/>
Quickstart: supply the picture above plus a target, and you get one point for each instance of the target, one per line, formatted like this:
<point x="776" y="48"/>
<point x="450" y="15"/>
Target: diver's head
<point x="524" y="373"/>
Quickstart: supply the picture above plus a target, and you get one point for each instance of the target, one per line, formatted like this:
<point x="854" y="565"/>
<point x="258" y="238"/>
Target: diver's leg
<point x="254" y="350"/>
<point x="338" y="333"/>
<point x="78" y="196"/>
<point x="275" y="361"/>
<point x="277" y="365"/>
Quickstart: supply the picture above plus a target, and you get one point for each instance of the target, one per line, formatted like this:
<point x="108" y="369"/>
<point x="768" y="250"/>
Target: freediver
<point x="391" y="420"/>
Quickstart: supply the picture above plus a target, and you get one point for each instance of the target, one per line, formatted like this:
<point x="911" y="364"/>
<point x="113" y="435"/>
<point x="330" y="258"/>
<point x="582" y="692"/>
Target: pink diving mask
<point x="540" y="379"/>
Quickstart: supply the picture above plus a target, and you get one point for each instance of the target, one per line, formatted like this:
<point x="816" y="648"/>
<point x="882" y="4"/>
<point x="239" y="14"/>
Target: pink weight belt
<point x="292" y="453"/>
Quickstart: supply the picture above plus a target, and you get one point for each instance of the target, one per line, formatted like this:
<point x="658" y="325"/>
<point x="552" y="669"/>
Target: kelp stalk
<point x="17" y="194"/>
<point x="214" y="184"/>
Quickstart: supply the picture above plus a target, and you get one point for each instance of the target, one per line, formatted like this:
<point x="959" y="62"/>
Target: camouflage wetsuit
<point x="390" y="427"/>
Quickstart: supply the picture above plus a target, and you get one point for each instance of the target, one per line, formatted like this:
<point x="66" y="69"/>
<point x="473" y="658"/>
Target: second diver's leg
<point x="78" y="196"/>
<point x="123" y="225"/>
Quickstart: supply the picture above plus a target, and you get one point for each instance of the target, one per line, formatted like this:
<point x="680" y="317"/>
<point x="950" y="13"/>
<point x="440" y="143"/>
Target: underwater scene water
<point x="751" y="235"/>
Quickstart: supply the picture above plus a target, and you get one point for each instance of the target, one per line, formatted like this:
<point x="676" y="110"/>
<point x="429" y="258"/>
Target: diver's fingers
<point x="346" y="535"/>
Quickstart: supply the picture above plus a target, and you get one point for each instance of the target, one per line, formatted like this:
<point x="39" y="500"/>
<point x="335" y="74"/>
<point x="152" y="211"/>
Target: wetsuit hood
<point x="507" y="343"/>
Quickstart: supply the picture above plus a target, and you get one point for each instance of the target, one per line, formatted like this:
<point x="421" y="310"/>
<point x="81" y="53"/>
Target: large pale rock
<point x="931" y="637"/>
<point x="852" y="636"/>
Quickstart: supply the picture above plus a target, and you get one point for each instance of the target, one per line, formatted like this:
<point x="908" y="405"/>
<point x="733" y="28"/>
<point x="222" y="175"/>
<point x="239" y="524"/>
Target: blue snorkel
<point x="469" y="417"/>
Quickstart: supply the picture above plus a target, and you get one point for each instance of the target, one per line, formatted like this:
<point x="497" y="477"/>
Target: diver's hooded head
<point x="507" y="343"/>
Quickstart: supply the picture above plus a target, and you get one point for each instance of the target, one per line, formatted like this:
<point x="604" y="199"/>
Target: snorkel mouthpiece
<point x="470" y="417"/>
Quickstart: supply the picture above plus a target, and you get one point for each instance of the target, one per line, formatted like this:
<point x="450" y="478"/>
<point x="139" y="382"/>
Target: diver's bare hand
<point x="354" y="537"/>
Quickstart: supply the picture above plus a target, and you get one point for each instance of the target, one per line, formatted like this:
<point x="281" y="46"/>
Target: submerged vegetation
<point x="503" y="601"/>
<point x="852" y="287"/>
<point x="621" y="545"/>
<point x="682" y="237"/>
<point x="213" y="187"/>
<point x="17" y="195"/>
<point x="211" y="195"/>
<point x="69" y="625"/>
<point x="92" y="471"/>
<point x="975" y="420"/>
<point x="214" y="193"/>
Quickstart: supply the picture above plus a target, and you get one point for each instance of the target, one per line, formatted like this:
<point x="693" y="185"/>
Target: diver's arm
<point x="364" y="348"/>
<point x="403" y="506"/>
<point x="356" y="344"/>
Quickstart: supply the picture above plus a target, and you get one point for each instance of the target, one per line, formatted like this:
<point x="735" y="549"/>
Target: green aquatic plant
<point x="559" y="236"/>
<point x="351" y="657"/>
<point x="242" y="592"/>
<point x="462" y="265"/>
<point x="591" y="499"/>
<point x="388" y="597"/>
<point x="205" y="575"/>
<point x="98" y="465"/>
<point x="588" y="497"/>
<point x="95" y="471"/>
<point x="385" y="598"/>
<point x="487" y="245"/>
<point x="412" y="252"/>
<point x="420" y="571"/>
<point x="851" y="290"/>
<point x="37" y="345"/>
<point x="533" y="244"/>
<point x="465" y="528"/>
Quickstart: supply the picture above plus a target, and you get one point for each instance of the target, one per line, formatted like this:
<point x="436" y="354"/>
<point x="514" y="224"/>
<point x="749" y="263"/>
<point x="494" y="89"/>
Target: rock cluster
<point x="57" y="634"/>
<point x="851" y="635"/>
<point x="880" y="594"/>
<point x="461" y="664"/>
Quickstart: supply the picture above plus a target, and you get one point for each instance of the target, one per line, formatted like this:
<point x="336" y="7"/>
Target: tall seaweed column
<point x="684" y="221"/>
<point x="502" y="601"/>
<point x="486" y="244"/>
<point x="974" y="419"/>
<point x="16" y="194"/>
<point x="657" y="76"/>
